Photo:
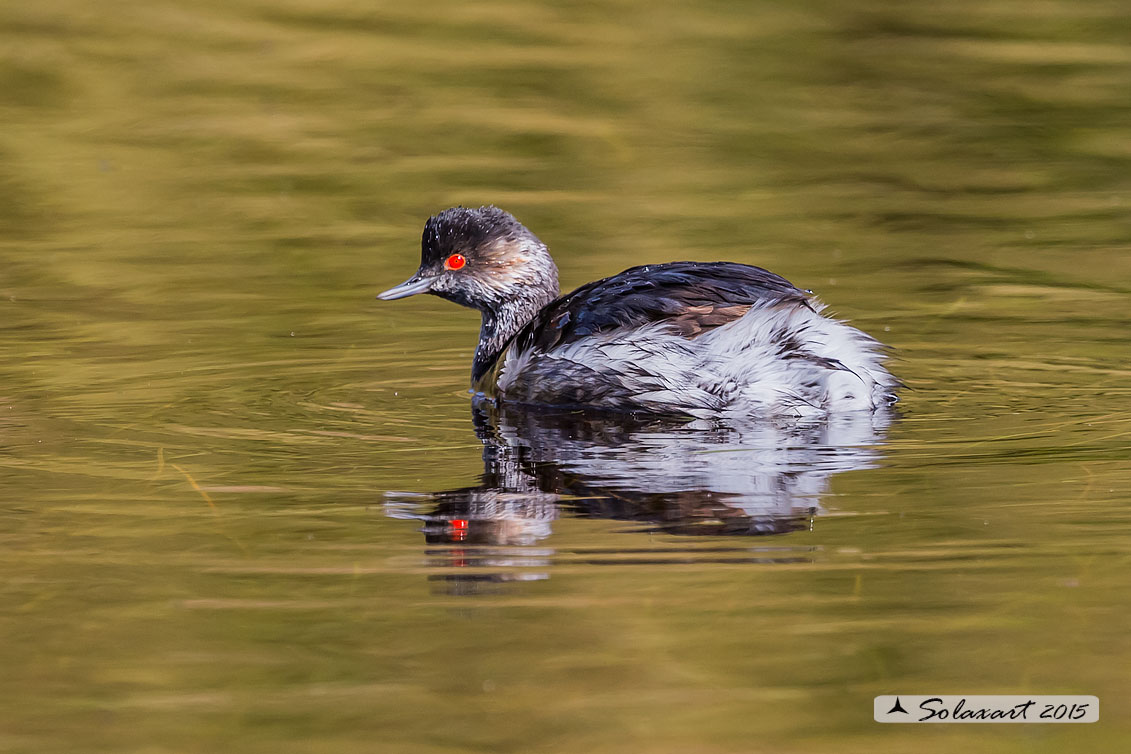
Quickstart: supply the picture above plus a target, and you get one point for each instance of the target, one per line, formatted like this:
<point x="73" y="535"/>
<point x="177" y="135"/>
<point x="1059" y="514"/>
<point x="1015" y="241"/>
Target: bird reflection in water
<point x="663" y="475"/>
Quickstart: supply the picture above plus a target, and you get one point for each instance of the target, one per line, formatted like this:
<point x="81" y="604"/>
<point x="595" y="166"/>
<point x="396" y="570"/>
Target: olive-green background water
<point x="202" y="407"/>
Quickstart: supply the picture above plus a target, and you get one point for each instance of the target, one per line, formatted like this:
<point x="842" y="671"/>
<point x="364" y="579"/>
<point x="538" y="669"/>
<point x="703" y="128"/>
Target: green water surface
<point x="245" y="506"/>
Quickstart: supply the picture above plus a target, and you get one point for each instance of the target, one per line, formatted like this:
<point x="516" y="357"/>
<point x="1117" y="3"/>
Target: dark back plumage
<point x="692" y="297"/>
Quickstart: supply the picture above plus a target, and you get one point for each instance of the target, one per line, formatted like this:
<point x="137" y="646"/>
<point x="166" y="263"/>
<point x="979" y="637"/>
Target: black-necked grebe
<point x="696" y="338"/>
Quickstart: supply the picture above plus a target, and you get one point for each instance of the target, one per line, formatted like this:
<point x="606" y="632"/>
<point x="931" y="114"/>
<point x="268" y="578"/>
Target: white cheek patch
<point x="500" y="276"/>
<point x="509" y="265"/>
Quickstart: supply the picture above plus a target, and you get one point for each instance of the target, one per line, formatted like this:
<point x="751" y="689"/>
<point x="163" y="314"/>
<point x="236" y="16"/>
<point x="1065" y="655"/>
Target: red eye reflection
<point x="455" y="262"/>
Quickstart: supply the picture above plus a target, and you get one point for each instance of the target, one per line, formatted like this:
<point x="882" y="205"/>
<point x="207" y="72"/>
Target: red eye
<point x="455" y="261"/>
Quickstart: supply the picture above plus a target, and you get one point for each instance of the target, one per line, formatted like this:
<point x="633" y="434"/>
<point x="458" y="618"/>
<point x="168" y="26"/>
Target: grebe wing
<point x="690" y="297"/>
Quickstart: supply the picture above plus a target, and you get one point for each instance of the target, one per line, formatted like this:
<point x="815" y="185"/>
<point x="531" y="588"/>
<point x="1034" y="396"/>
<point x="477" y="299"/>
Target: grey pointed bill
<point x="410" y="287"/>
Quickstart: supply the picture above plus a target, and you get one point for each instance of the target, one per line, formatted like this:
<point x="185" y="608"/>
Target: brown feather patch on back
<point x="696" y="320"/>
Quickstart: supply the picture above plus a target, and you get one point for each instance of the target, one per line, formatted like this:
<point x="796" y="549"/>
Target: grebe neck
<point x="504" y="319"/>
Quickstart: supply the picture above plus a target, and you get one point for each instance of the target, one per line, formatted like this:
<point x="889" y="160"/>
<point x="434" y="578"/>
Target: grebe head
<point x="484" y="259"/>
